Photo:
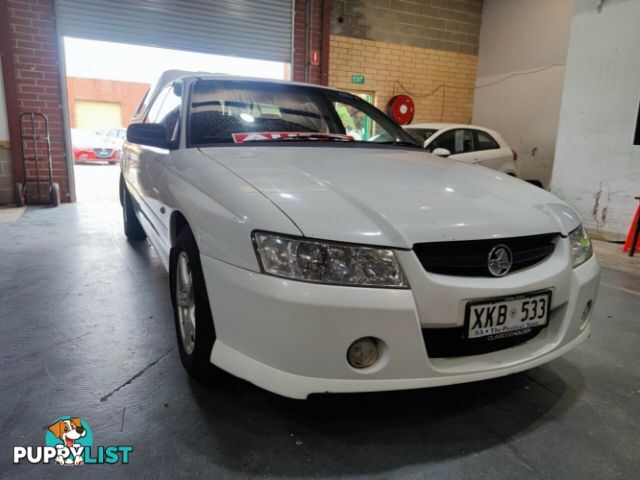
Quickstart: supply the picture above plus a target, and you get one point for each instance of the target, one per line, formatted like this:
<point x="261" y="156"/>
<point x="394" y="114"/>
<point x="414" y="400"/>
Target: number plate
<point x="504" y="317"/>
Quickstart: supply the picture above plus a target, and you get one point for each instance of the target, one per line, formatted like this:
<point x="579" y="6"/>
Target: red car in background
<point x="100" y="147"/>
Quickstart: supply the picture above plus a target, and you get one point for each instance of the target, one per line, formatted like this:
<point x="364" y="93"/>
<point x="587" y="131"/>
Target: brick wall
<point x="308" y="31"/>
<point x="127" y="94"/>
<point x="29" y="29"/>
<point x="452" y="25"/>
<point x="426" y="49"/>
<point x="441" y="83"/>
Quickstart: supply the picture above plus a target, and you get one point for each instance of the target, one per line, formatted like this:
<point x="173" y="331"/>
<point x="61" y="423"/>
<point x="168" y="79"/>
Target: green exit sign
<point x="357" y="79"/>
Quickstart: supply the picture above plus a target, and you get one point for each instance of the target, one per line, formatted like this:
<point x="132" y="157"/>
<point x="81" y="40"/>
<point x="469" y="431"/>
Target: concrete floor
<point x="86" y="330"/>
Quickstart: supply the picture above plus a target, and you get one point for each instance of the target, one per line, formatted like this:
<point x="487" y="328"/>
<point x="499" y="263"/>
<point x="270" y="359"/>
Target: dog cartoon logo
<point x="69" y="435"/>
<point x="69" y="441"/>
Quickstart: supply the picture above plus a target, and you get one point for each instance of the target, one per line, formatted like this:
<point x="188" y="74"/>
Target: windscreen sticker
<point x="258" y="136"/>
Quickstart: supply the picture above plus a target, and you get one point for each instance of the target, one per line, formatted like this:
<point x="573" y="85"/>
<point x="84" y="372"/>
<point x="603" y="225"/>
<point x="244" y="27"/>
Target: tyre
<point x="191" y="309"/>
<point x="54" y="195"/>
<point x="19" y="195"/>
<point x="132" y="228"/>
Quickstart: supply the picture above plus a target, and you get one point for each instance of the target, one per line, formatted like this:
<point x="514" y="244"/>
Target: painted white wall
<point x="523" y="48"/>
<point x="597" y="167"/>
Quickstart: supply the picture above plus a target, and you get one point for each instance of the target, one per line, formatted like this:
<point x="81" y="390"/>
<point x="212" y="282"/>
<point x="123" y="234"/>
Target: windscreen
<point x="223" y="111"/>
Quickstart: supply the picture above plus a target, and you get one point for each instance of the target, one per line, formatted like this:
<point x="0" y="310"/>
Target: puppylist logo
<point x="69" y="441"/>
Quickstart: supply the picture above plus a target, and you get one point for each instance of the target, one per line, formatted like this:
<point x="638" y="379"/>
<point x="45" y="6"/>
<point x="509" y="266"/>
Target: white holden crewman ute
<point x="305" y="256"/>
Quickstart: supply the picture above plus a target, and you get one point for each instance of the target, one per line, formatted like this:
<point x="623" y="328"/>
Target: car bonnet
<point x="392" y="196"/>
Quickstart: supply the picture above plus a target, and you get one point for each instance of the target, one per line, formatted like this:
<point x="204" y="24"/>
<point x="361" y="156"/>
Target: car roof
<point x="447" y="126"/>
<point x="438" y="126"/>
<point x="172" y="75"/>
<point x="235" y="78"/>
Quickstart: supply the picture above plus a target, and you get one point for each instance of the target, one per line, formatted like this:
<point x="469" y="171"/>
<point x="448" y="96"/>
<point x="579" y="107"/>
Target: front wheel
<point x="191" y="309"/>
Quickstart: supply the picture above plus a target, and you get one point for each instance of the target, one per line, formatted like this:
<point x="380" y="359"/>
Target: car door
<point x="136" y="168"/>
<point x="137" y="157"/>
<point x="155" y="165"/>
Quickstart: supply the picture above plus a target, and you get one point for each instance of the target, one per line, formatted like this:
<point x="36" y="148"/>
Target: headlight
<point x="328" y="262"/>
<point x="581" y="250"/>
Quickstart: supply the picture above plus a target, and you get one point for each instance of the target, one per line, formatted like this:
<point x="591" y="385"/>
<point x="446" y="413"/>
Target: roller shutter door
<point x="259" y="29"/>
<point x="94" y="116"/>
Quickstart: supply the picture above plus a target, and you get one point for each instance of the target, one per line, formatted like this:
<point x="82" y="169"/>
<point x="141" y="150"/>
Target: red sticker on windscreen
<point x="259" y="136"/>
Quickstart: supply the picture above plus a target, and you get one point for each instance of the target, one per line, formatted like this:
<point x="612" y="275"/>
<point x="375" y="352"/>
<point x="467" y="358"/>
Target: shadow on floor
<point x="372" y="433"/>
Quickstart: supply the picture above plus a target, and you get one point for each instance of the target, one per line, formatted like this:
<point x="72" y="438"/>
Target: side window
<point x="464" y="139"/>
<point x="456" y="141"/>
<point x="169" y="112"/>
<point x="445" y="140"/>
<point x="152" y="116"/>
<point x="484" y="141"/>
<point x="144" y="103"/>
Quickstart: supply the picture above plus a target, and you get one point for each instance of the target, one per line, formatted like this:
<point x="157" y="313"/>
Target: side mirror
<point x="441" y="152"/>
<point x="149" y="134"/>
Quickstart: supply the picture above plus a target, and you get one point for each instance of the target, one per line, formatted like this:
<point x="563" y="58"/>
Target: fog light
<point x="363" y="352"/>
<point x="586" y="314"/>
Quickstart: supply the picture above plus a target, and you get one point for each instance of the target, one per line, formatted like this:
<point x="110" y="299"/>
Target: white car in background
<point x="467" y="143"/>
<point x="306" y="261"/>
<point x="114" y="136"/>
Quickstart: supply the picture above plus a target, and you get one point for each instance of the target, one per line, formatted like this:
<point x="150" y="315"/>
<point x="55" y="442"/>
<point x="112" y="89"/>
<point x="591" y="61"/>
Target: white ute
<point x="306" y="255"/>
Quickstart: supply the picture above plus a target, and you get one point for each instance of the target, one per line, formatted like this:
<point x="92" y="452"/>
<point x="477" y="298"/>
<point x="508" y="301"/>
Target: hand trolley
<point x="38" y="188"/>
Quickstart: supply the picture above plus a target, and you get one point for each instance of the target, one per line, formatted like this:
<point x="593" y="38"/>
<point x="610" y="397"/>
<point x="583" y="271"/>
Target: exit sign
<point x="357" y="79"/>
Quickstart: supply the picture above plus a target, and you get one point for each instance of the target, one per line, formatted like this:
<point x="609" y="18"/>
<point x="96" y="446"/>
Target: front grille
<point x="451" y="342"/>
<point x="470" y="258"/>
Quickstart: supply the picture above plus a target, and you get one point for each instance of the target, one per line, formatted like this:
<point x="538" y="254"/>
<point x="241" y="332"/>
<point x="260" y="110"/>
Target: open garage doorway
<point x="105" y="83"/>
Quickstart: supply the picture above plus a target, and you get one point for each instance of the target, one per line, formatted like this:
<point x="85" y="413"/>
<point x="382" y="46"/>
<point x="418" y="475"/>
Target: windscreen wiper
<point x="401" y="143"/>
<point x="291" y="136"/>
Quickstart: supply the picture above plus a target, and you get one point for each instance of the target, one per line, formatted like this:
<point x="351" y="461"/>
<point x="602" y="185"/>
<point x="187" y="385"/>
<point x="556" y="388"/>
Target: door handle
<point x="163" y="210"/>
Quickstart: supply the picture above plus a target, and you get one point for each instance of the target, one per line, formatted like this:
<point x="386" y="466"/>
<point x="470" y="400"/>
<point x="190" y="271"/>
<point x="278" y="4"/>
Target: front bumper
<point x="291" y="337"/>
<point x="89" y="156"/>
